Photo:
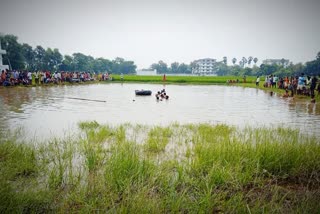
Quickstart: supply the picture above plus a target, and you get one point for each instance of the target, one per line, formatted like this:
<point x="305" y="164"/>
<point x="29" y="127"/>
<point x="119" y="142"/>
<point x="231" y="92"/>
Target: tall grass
<point x="219" y="169"/>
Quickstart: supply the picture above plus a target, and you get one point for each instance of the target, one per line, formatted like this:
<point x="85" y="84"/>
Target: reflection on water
<point x="46" y="111"/>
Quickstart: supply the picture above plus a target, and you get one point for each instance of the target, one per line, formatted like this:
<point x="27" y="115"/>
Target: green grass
<point x="158" y="138"/>
<point x="181" y="79"/>
<point x="197" y="168"/>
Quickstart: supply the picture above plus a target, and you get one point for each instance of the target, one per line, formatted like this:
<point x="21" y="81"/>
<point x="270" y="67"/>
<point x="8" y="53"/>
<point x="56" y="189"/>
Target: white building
<point x="204" y="67"/>
<point x="147" y="72"/>
<point x="284" y="62"/>
<point x="2" y="67"/>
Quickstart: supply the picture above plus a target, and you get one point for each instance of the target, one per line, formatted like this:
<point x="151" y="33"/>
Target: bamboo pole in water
<point x="76" y="98"/>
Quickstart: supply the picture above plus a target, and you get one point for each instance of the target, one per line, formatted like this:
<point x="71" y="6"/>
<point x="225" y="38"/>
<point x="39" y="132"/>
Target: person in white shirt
<point x="29" y="75"/>
<point x="257" y="81"/>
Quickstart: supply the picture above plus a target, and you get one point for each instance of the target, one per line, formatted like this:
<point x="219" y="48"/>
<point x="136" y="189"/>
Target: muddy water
<point x="49" y="111"/>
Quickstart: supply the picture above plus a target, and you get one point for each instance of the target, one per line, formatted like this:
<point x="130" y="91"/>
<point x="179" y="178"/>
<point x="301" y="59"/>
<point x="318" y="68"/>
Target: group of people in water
<point x="15" y="77"/>
<point x="297" y="85"/>
<point x="160" y="95"/>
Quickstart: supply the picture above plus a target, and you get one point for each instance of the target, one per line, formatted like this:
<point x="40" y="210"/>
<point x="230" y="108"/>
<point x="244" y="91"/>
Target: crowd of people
<point x="297" y="85"/>
<point x="15" y="77"/>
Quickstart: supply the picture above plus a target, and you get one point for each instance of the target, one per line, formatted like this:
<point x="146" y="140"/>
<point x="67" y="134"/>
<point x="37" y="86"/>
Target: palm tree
<point x="225" y="60"/>
<point x="250" y="58"/>
<point x="255" y="60"/>
<point x="241" y="63"/>
<point x="283" y="61"/>
<point x="244" y="60"/>
<point x="234" y="60"/>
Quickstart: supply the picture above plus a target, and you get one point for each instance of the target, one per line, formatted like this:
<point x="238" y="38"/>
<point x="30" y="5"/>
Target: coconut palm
<point x="250" y="58"/>
<point x="241" y="63"/>
<point x="283" y="61"/>
<point x="225" y="60"/>
<point x="244" y="61"/>
<point x="234" y="60"/>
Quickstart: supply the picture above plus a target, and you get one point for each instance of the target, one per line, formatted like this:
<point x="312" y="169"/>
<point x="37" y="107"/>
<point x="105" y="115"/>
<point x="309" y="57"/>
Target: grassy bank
<point x="181" y="79"/>
<point x="177" y="168"/>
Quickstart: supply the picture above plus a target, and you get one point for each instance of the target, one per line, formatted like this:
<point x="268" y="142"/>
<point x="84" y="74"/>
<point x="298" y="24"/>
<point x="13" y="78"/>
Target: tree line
<point x="245" y="67"/>
<point x="284" y="68"/>
<point x="25" y="57"/>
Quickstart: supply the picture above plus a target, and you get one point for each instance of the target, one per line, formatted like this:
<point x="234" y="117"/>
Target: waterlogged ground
<point x="128" y="155"/>
<point x="48" y="111"/>
<point x="160" y="169"/>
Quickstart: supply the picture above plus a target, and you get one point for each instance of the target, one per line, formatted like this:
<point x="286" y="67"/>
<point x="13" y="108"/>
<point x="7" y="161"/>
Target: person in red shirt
<point x="3" y="76"/>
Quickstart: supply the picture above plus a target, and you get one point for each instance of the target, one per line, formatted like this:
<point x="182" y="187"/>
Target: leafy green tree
<point x="255" y="60"/>
<point x="235" y="70"/>
<point x="174" y="67"/>
<point x="82" y="62"/>
<point x="222" y="69"/>
<point x="268" y="69"/>
<point x="52" y="59"/>
<point x="184" y="69"/>
<point x="14" y="55"/>
<point x="29" y="57"/>
<point x="67" y="64"/>
<point x="128" y="67"/>
<point x="161" y="67"/>
<point x="39" y="58"/>
<point x="247" y="72"/>
<point x="116" y="65"/>
<point x="119" y="65"/>
<point x="194" y="66"/>
<point x="102" y="65"/>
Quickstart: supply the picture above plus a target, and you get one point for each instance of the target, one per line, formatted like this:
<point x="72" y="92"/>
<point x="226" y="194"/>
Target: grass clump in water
<point x="88" y="125"/>
<point x="221" y="169"/>
<point x="158" y="139"/>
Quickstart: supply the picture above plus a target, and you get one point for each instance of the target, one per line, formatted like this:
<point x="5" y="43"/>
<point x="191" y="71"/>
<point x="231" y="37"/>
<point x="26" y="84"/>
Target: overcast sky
<point x="147" y="31"/>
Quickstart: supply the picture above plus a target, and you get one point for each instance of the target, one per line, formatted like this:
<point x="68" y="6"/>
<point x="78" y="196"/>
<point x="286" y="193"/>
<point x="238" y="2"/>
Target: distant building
<point x="204" y="66"/>
<point x="2" y="67"/>
<point x="284" y="62"/>
<point x="147" y="72"/>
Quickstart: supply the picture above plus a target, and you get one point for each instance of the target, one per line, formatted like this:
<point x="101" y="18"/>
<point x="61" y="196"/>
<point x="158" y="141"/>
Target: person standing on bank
<point x="257" y="81"/>
<point x="313" y="85"/>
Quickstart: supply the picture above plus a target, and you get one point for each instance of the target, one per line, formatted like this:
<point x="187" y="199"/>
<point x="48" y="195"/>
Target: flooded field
<point x="50" y="111"/>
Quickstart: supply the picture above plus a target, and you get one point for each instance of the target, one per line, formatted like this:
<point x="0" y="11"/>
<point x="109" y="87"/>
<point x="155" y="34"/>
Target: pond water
<point x="49" y="111"/>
